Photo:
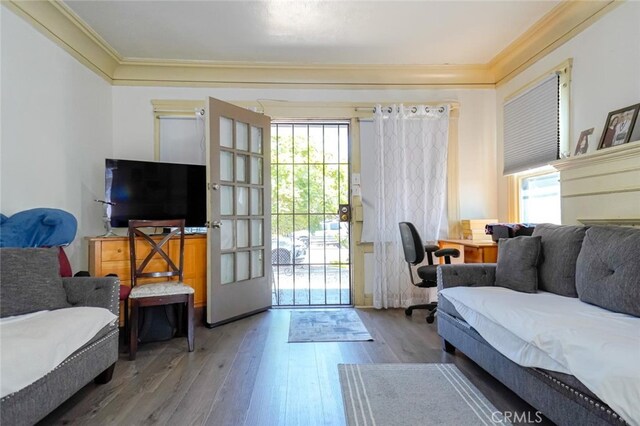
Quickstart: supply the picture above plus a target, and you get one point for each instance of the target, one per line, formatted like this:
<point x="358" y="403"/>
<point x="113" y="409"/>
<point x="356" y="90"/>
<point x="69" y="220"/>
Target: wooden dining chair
<point x="162" y="292"/>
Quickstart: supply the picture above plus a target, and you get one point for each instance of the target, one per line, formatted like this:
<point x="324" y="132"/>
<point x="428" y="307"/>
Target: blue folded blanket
<point x="40" y="227"/>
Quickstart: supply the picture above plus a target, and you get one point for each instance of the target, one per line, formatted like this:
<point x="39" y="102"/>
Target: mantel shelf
<point x="628" y="150"/>
<point x="624" y="221"/>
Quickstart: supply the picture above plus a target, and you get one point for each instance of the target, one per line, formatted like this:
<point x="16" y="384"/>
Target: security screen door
<point x="238" y="243"/>
<point x="309" y="244"/>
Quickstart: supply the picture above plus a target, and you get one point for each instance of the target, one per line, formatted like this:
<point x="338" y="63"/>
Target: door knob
<point x="344" y="212"/>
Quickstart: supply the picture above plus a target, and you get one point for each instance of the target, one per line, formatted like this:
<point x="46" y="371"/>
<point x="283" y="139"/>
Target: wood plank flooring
<point x="245" y="373"/>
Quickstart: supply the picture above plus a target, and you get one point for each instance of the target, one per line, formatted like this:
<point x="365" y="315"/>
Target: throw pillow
<point x="608" y="270"/>
<point x="560" y="248"/>
<point x="517" y="266"/>
<point x="30" y="281"/>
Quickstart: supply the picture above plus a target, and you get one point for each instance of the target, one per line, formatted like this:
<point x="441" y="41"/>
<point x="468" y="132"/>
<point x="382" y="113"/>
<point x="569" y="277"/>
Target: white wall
<point x="133" y="126"/>
<point x="56" y="131"/>
<point x="605" y="77"/>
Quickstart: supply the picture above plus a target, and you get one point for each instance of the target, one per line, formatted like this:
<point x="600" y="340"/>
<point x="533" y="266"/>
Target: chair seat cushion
<point x="428" y="273"/>
<point x="169" y="288"/>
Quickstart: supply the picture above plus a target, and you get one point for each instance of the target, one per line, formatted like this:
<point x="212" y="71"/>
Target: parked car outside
<point x="284" y="249"/>
<point x="302" y="236"/>
<point x="331" y="233"/>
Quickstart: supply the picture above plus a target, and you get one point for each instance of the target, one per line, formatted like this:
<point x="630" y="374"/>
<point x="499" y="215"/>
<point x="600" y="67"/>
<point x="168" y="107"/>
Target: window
<point x="179" y="128"/>
<point x="529" y="147"/>
<point x="539" y="198"/>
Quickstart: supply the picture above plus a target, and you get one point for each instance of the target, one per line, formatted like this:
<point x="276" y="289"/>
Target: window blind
<point x="531" y="127"/>
<point x="182" y="140"/>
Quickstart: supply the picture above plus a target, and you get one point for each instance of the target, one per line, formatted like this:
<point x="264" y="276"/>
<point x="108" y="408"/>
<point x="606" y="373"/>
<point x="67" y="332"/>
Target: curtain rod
<point x="414" y="109"/>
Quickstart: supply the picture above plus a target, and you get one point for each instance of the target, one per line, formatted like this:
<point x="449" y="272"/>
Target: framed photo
<point x="583" y="142"/>
<point x="619" y="126"/>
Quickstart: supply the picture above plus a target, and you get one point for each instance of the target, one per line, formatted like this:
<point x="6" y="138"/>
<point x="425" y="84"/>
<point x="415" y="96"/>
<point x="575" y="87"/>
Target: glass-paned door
<point x="310" y="247"/>
<point x="239" y="250"/>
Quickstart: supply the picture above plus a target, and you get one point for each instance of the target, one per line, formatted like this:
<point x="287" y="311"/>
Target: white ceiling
<point x="312" y="32"/>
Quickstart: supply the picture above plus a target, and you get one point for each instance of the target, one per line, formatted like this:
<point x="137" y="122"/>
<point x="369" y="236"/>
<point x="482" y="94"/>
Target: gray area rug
<point x="336" y="325"/>
<point x="413" y="394"/>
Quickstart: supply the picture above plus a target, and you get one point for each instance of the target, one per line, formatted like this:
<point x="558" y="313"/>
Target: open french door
<point x="238" y="212"/>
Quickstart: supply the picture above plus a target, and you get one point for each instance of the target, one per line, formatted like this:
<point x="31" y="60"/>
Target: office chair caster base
<point x="408" y="312"/>
<point x="430" y="320"/>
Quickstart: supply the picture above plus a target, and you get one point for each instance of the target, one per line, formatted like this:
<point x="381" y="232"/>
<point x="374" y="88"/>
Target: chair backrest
<point x="158" y="247"/>
<point x="411" y="243"/>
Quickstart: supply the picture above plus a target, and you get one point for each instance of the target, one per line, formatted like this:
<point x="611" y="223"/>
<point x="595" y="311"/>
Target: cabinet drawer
<point x="118" y="267"/>
<point x="119" y="250"/>
<point x="472" y="255"/>
<point x="115" y="250"/>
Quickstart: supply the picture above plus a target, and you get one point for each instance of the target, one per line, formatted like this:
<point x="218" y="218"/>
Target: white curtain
<point x="411" y="186"/>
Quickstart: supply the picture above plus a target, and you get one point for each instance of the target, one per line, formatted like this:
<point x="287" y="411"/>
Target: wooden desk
<point x="472" y="251"/>
<point x="110" y="255"/>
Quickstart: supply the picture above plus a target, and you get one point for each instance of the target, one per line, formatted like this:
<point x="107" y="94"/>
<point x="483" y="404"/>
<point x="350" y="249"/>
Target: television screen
<point x="154" y="191"/>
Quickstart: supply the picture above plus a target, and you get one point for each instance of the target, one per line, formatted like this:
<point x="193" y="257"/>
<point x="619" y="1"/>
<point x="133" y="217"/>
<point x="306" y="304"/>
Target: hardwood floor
<point x="245" y="373"/>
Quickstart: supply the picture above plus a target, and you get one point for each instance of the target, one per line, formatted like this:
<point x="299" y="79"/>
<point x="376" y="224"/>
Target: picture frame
<point x="619" y="126"/>
<point x="582" y="146"/>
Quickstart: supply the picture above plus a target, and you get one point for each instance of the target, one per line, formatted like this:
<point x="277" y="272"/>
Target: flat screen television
<point x="155" y="191"/>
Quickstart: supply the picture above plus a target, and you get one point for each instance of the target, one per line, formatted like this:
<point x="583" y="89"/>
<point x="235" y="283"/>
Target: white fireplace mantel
<point x="602" y="186"/>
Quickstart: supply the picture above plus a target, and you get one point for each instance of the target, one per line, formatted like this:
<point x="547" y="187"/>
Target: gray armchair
<point x="29" y="282"/>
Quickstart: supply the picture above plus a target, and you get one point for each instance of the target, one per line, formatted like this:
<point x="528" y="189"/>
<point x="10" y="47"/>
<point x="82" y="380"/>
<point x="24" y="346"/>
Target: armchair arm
<point x="89" y="291"/>
<point x="467" y="274"/>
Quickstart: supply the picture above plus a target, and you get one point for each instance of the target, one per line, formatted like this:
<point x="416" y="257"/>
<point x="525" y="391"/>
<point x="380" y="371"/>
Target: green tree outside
<point x="304" y="191"/>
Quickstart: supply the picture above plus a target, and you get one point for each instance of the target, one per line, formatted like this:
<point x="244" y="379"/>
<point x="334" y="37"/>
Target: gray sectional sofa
<point x="30" y="287"/>
<point x="597" y="266"/>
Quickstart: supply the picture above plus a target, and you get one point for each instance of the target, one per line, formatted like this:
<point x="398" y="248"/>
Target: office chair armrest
<point x="430" y="248"/>
<point x="467" y="274"/>
<point x="447" y="252"/>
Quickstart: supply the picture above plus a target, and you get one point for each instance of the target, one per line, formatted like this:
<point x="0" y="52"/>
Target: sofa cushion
<point x="608" y="269"/>
<point x="30" y="281"/>
<point x="38" y="342"/>
<point x="559" y="253"/>
<point x="517" y="266"/>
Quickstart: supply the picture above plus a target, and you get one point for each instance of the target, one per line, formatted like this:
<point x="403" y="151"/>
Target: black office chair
<point x="414" y="253"/>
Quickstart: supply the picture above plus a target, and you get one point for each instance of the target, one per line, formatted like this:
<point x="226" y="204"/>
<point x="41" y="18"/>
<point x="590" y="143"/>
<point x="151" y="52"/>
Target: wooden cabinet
<point x="473" y="251"/>
<point x="110" y="255"/>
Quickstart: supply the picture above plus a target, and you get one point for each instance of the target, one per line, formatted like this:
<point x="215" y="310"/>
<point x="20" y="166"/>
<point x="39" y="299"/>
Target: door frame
<point x="353" y="111"/>
<point x="333" y="121"/>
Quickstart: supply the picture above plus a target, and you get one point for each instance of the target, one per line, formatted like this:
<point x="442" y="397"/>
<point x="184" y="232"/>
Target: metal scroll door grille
<point x="310" y="247"/>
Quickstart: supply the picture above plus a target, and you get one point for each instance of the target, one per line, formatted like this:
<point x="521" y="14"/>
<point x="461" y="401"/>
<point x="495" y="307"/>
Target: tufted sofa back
<point x="608" y="269"/>
<point x="561" y="245"/>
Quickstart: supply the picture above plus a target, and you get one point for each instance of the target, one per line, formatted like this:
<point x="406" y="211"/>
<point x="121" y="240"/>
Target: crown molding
<point x="557" y="27"/>
<point x="58" y="22"/>
<point x="54" y="20"/>
<point x="302" y="76"/>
